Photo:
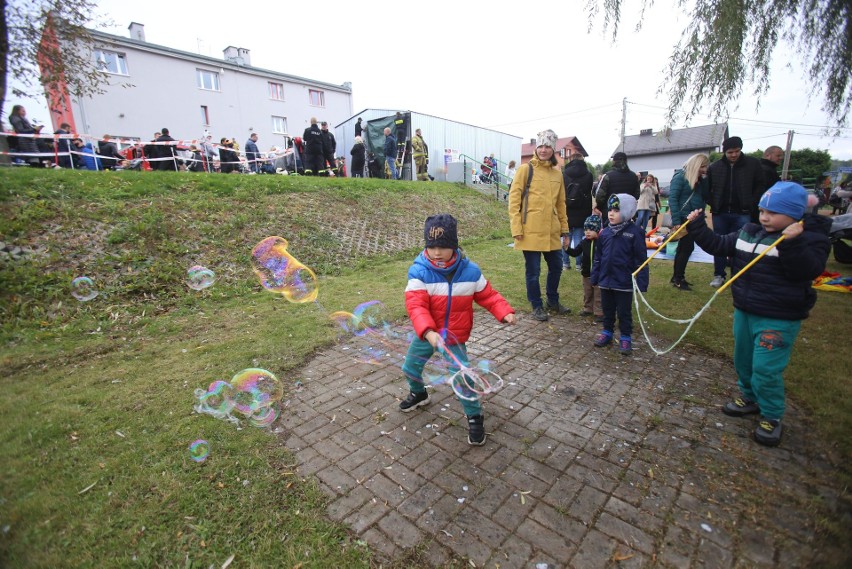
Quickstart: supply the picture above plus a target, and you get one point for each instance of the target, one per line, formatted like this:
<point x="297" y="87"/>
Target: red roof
<point x="528" y="149"/>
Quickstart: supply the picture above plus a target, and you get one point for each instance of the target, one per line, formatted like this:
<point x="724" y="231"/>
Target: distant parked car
<point x="664" y="192"/>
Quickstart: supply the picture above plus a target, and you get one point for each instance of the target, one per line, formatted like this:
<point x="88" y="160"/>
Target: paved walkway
<point x="592" y="460"/>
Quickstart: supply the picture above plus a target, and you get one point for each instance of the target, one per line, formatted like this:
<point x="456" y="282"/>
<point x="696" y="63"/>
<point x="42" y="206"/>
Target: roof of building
<point x="528" y="148"/>
<point x="694" y="138"/>
<point x="218" y="62"/>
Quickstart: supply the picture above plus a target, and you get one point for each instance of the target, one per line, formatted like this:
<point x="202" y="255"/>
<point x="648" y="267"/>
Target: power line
<point x="554" y="116"/>
<point x="783" y="123"/>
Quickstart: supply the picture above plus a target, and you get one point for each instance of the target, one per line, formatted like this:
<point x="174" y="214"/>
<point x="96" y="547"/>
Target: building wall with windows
<point x="152" y="86"/>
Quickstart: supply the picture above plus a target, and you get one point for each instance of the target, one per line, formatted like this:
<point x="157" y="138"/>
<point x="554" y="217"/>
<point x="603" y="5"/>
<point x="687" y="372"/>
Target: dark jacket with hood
<point x="779" y="285"/>
<point x="578" y="204"/>
<point x="735" y="188"/>
<point x="619" y="180"/>
<point x="618" y="252"/>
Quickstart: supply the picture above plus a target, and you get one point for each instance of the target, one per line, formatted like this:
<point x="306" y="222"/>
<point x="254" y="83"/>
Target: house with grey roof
<point x="664" y="152"/>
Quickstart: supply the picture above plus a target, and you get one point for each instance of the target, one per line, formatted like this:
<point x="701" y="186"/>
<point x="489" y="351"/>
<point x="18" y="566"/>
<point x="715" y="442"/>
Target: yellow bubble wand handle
<point x="661" y="247"/>
<point x="752" y="262"/>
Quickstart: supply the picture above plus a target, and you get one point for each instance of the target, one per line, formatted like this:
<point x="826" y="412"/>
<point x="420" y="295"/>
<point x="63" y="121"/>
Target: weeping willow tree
<point x="728" y="45"/>
<point x="44" y="47"/>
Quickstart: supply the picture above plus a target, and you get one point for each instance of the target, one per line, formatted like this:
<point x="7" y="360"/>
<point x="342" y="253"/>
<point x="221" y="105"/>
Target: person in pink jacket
<point x="442" y="286"/>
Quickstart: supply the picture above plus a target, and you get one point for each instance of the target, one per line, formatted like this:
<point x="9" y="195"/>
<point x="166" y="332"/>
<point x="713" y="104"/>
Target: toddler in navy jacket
<point x="620" y="250"/>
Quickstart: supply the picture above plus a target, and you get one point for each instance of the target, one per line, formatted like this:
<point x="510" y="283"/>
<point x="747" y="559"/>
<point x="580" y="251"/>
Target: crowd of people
<point x="558" y="215"/>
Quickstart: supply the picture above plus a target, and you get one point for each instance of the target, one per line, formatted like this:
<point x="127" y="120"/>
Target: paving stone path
<point x="592" y="460"/>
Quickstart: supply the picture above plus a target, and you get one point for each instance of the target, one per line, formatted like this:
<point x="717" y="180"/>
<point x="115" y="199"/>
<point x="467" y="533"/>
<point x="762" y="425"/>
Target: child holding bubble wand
<point x="772" y="298"/>
<point x="442" y="286"/>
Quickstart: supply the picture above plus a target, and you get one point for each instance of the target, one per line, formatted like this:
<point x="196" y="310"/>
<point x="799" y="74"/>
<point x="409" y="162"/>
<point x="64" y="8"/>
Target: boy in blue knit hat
<point x="620" y="250"/>
<point x="442" y="286"/>
<point x="771" y="298"/>
<point x="586" y="248"/>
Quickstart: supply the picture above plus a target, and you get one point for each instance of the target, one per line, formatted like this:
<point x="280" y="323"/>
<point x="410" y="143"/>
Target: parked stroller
<point x="841" y="238"/>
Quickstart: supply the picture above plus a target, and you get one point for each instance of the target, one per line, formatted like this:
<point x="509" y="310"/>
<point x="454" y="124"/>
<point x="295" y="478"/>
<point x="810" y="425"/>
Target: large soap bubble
<point x="279" y="271"/>
<point x="199" y="278"/>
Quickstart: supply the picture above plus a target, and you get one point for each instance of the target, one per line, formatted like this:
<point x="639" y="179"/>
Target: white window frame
<point x="277" y="122"/>
<point x="276" y="91"/>
<point x="105" y="58"/>
<point x="202" y="74"/>
<point x="320" y="97"/>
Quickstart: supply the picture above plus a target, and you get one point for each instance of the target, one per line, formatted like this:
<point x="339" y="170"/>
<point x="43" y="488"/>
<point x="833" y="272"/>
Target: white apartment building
<point x="154" y="86"/>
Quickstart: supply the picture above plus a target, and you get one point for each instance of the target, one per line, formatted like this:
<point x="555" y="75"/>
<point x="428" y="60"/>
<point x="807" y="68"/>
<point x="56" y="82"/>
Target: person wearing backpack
<point x="578" y="202"/>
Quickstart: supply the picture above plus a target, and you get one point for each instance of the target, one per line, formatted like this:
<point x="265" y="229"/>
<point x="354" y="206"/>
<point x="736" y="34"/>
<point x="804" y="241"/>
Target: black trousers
<point x="685" y="247"/>
<point x="620" y="303"/>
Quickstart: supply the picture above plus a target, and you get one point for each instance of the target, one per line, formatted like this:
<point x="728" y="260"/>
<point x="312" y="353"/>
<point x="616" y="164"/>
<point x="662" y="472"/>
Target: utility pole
<point x="786" y="166"/>
<point x="623" y="120"/>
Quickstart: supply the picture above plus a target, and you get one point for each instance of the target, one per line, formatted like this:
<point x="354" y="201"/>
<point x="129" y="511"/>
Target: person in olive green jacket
<point x="539" y="223"/>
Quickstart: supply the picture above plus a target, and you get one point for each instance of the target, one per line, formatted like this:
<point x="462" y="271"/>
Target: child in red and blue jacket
<point x="442" y="287"/>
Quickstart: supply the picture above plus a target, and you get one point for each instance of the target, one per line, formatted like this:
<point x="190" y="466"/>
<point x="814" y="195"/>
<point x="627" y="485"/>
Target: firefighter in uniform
<point x="314" y="160"/>
<point x="420" y="153"/>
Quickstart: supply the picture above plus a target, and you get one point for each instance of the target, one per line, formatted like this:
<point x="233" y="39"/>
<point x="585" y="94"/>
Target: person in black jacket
<point x="359" y="158"/>
<point x="578" y="201"/>
<point x="329" y="146"/>
<point x="735" y="186"/>
<point x="63" y="148"/>
<point x="166" y="152"/>
<point x="358" y="127"/>
<point x="108" y="152"/>
<point x="771" y="298"/>
<point x="312" y="139"/>
<point x="772" y="158"/>
<point x="619" y="180"/>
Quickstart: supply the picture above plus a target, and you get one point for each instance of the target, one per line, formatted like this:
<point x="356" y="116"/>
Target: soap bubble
<point x="218" y="400"/>
<point x="255" y="389"/>
<point x="279" y="271"/>
<point x="199" y="278"/>
<point x="83" y="289"/>
<point x="199" y="450"/>
<point x="263" y="417"/>
<point x="370" y="317"/>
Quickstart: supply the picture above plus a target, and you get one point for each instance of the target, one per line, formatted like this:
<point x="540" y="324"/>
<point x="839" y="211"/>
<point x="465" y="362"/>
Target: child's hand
<point x="694" y="214"/>
<point x="509" y="319"/>
<point x="433" y="338"/>
<point x="793" y="230"/>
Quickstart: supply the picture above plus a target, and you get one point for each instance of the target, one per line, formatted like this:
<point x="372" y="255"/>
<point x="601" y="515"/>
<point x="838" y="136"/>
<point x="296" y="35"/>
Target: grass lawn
<point x="97" y="409"/>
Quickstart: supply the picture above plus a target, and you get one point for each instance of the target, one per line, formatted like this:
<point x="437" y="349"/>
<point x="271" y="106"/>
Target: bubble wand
<point x="661" y="247"/>
<point x="691" y="321"/>
<point x="466" y="382"/>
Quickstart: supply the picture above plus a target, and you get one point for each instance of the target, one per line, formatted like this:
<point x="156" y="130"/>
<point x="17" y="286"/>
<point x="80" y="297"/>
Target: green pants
<point x="762" y="348"/>
<point x="419" y="353"/>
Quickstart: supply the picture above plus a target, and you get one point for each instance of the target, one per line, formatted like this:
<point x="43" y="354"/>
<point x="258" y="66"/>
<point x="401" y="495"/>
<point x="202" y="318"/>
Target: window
<point x="276" y="91"/>
<point x="317" y="98"/>
<point x="208" y="80"/>
<point x="279" y="125"/>
<point x="205" y="116"/>
<point x="111" y="62"/>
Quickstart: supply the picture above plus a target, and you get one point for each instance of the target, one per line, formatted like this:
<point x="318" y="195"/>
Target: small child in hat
<point x="621" y="250"/>
<point x="771" y="298"/>
<point x="442" y="287"/>
<point x="586" y="248"/>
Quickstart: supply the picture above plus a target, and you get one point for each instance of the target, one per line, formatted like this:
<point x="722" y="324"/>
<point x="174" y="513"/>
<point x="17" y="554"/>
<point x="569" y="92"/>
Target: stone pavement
<point x="592" y="460"/>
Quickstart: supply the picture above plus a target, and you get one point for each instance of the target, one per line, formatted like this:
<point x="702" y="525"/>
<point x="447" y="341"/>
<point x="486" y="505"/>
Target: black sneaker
<point x="413" y="401"/>
<point x="475" y="431"/>
<point x="740" y="407"/>
<point x="539" y="314"/>
<point x="558" y="308"/>
<point x="768" y="432"/>
<point x="681" y="285"/>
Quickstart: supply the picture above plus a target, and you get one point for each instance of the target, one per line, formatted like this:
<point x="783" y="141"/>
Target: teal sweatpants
<point x="762" y="348"/>
<point x="419" y="353"/>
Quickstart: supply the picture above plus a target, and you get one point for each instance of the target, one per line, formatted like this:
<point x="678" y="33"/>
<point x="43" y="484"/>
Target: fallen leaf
<point x="228" y="561"/>
<point x="618" y="557"/>
<point x="87" y="488"/>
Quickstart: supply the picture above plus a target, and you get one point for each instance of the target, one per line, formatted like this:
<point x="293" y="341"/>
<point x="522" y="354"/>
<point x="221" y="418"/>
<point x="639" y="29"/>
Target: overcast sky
<point x="517" y="70"/>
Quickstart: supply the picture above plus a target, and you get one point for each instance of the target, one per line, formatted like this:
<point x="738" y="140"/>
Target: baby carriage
<point x="841" y="238"/>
